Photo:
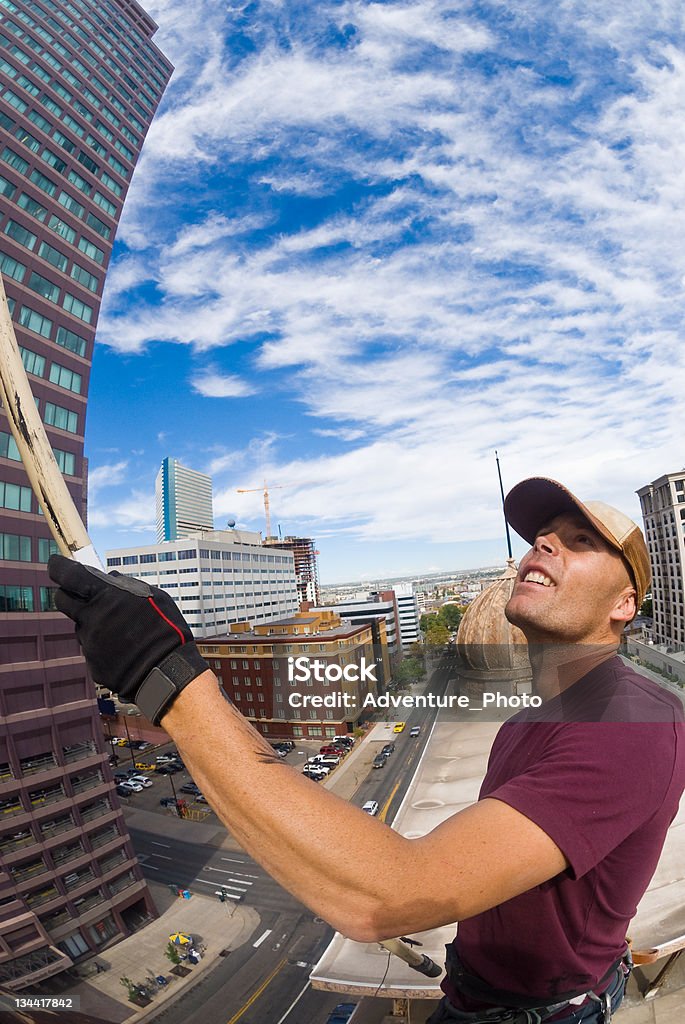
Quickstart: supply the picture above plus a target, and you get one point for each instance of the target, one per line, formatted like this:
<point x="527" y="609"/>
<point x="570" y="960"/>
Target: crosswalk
<point x="235" y="885"/>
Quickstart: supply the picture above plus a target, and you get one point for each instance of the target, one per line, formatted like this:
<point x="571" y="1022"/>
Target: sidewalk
<point x="217" y="926"/>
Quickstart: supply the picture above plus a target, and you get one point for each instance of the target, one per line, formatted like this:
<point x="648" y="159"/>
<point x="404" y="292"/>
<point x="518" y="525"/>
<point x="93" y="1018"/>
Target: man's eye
<point x="584" y="538"/>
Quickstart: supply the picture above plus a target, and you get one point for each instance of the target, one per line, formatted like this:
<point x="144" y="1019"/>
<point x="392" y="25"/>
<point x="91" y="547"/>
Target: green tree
<point x="450" y="616"/>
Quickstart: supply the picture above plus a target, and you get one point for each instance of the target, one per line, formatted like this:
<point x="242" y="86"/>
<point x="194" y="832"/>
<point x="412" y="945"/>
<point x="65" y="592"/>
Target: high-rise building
<point x="79" y="85"/>
<point x="184" y="501"/>
<point x="217" y="578"/>
<point x="366" y="606"/>
<point x="306" y="565"/>
<point x="663" y="511"/>
<point x="408" y="611"/>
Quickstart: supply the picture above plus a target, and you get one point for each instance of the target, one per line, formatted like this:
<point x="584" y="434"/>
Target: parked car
<point x="388" y="749"/>
<point x="200" y="799"/>
<point x="169" y="769"/>
<point x="120" y="777"/>
<point x="347" y="740"/>
<point x="342" y="1013"/>
<point x="123" y="789"/>
<point x="167" y="801"/>
<point x="190" y="787"/>
<point x="135" y="787"/>
<point x="283" y="747"/>
<point x="140" y="744"/>
<point x="141" y="780"/>
<point x="379" y="761"/>
<point x="143" y="766"/>
<point x="371" y="807"/>
<point x="400" y="727"/>
<point x="332" y="749"/>
<point x="415" y="730"/>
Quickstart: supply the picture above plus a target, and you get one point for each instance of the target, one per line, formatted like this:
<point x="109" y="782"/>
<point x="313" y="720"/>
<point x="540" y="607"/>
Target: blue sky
<point x="369" y="243"/>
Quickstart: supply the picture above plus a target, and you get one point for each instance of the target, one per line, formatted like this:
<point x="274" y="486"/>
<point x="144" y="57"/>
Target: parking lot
<point x="169" y="787"/>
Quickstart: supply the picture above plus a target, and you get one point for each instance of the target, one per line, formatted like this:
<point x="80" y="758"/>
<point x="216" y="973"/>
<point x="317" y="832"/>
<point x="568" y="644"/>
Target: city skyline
<point x="377" y="244"/>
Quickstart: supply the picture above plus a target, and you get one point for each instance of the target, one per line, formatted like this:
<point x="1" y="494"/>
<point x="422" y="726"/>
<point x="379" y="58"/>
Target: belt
<point x="517" y="1008"/>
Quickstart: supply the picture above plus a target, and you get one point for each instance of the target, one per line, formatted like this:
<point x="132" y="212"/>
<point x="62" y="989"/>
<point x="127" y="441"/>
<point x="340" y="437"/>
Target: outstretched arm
<point x="357" y="873"/>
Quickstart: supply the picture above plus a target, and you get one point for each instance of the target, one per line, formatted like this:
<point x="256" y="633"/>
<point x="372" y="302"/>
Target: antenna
<point x="501" y="490"/>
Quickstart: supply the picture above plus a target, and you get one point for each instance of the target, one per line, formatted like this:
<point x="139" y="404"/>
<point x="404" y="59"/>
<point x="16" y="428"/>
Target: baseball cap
<point x="531" y="504"/>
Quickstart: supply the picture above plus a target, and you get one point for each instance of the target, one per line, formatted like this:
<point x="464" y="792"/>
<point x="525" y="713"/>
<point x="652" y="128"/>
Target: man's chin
<point x="516" y="614"/>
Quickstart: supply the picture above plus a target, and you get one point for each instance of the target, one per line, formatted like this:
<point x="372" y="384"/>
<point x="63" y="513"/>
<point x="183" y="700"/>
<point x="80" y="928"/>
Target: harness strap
<point x="478" y="989"/>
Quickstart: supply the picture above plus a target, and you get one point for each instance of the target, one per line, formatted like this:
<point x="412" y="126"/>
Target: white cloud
<point x="508" y="274"/>
<point x="106" y="476"/>
<point x="216" y="385"/>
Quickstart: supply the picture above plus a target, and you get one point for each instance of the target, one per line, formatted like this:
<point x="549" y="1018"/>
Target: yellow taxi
<point x="399" y="727"/>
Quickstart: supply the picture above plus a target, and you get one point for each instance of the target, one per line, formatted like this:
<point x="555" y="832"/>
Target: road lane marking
<point x="223" y="871"/>
<point x="209" y="881"/>
<point x="167" y="846"/>
<point x="261" y="938"/>
<point x="162" y="856"/>
<point x="257" y="993"/>
<point x="293" y="1004"/>
<point x="386" y="805"/>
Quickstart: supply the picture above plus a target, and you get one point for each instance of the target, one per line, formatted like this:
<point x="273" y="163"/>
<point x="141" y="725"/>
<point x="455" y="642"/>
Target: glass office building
<point x="79" y="84"/>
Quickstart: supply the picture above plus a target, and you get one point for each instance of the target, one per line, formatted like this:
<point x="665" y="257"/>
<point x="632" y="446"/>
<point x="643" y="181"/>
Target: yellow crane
<point x="267" y="507"/>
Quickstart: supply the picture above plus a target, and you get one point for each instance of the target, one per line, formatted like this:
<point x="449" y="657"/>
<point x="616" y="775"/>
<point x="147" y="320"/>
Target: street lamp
<point x="176" y="800"/>
<point x="128" y="740"/>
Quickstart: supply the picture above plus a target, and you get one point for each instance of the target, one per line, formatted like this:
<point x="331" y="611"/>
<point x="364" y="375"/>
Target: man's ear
<point x="625" y="608"/>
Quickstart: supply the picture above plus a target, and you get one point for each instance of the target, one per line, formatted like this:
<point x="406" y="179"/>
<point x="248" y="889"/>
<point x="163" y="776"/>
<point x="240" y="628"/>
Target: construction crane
<point x="267" y="507"/>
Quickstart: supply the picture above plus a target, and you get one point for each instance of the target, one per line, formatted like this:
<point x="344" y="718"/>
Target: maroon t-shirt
<point x="605" y="791"/>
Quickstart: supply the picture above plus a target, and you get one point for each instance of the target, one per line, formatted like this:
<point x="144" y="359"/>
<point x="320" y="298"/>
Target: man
<point x="545" y="870"/>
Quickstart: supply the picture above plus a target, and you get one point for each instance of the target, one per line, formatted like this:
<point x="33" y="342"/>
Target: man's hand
<point x="133" y="636"/>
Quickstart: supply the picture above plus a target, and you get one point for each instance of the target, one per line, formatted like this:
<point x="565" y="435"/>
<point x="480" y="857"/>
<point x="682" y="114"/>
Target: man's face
<point x="570" y="585"/>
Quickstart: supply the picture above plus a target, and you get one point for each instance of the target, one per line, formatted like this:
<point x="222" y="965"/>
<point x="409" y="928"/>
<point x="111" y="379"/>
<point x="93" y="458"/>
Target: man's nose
<point x="546" y="542"/>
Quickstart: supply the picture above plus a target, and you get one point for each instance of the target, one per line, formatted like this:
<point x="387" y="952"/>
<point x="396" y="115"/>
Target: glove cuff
<point x="162" y="685"/>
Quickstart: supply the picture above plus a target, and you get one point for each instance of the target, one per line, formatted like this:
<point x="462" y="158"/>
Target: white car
<point x="135" y="787"/>
<point x="141" y="780"/>
<point x="371" y="807"/>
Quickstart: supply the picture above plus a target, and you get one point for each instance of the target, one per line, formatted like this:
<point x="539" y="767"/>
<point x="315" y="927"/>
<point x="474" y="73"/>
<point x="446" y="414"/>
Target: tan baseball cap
<point x="533" y="503"/>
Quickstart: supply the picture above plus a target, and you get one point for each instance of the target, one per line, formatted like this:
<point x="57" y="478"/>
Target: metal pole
<point x="173" y="790"/>
<point x="128" y="740"/>
<point x="501" y="490"/>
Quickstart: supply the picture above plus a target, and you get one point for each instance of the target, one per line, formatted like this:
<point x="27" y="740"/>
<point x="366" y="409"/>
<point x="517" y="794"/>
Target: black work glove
<point x="133" y="636"/>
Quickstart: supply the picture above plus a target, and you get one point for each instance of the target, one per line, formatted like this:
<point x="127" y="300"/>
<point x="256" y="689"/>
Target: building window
<point x="44" y="183"/>
<point x="21" y="234"/>
<point x="35" y="321"/>
<point x="91" y="250"/>
<point x="72" y="342"/>
<point x="43" y="287"/>
<point x="12" y="268"/>
<point x="47" y="599"/>
<point x="15" y="497"/>
<point x="15" y="548"/>
<point x="46" y="548"/>
<point x="61" y="229"/>
<point x="65" y="378"/>
<point x="53" y="256"/>
<point x="64" y="419"/>
<point x="77" y="308"/>
<point x="16" y="599"/>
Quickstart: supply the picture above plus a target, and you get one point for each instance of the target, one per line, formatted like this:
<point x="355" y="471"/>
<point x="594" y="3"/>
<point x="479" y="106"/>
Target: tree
<point x="450" y="616"/>
<point x="171" y="953"/>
